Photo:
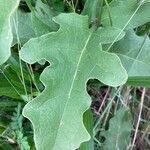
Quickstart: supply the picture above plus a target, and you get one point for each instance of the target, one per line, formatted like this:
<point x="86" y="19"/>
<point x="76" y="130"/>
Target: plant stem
<point x="139" y="117"/>
<point x="29" y="5"/>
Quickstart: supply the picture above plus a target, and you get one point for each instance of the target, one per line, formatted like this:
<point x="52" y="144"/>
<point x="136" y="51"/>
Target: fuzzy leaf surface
<point x="7" y="8"/>
<point x="22" y="27"/>
<point x="75" y="55"/>
<point x="134" y="53"/>
<point x="118" y="134"/>
<point x="126" y="9"/>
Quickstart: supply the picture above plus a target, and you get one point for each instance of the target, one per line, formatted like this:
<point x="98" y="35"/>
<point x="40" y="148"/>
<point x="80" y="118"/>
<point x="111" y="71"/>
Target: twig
<point x="138" y="122"/>
<point x="104" y="100"/>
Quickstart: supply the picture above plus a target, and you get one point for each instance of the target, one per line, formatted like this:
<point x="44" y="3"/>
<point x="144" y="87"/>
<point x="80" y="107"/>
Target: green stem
<point x="28" y="2"/>
<point x="96" y="13"/>
<point x="109" y="14"/>
<point x="93" y="8"/>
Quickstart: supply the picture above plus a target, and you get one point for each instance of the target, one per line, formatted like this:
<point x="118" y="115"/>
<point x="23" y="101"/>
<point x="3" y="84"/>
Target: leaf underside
<point x="75" y="55"/>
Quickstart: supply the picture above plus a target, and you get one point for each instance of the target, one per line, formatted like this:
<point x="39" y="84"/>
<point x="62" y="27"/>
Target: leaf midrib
<point x="73" y="81"/>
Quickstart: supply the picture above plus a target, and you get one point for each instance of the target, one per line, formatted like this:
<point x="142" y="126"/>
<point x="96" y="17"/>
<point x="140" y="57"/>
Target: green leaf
<point x="120" y="127"/>
<point x="10" y="79"/>
<point x="134" y="53"/>
<point x="22" y="27"/>
<point x="56" y="4"/>
<point x="88" y="122"/>
<point x="7" y="8"/>
<point x="121" y="12"/>
<point x="139" y="81"/>
<point x="45" y="14"/>
<point x="75" y="55"/>
<point x="30" y="25"/>
<point x="10" y="84"/>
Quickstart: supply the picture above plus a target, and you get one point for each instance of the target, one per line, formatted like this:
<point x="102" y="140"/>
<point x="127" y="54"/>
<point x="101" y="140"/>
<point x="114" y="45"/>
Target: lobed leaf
<point x="134" y="53"/>
<point x="75" y="55"/>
